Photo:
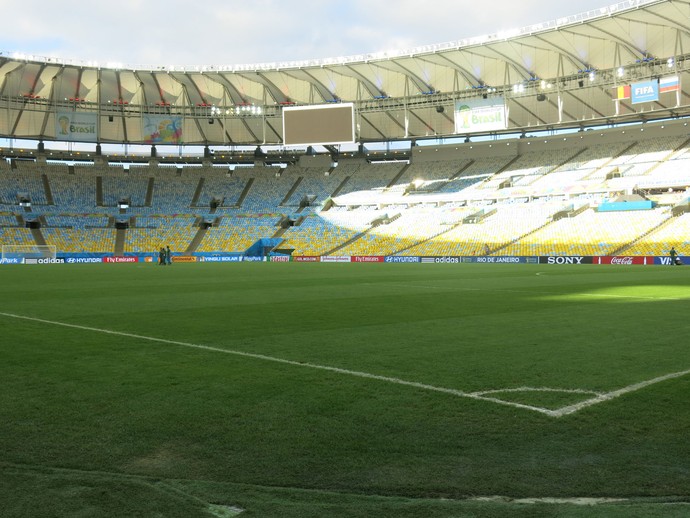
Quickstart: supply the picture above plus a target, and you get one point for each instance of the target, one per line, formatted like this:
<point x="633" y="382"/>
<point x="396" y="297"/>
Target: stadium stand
<point x="538" y="202"/>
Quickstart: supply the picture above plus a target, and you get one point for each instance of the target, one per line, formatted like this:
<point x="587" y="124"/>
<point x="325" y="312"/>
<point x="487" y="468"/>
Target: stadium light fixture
<point x="521" y="88"/>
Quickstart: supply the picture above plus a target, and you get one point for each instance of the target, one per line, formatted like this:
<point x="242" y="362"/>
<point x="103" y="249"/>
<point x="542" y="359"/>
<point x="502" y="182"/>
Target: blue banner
<point x="401" y="259"/>
<point x="441" y="259"/>
<point x="83" y="260"/>
<point x="222" y="259"/>
<point x="253" y="258"/>
<point x="666" y="260"/>
<point x="507" y="259"/>
<point x="644" y="92"/>
<point x="12" y="260"/>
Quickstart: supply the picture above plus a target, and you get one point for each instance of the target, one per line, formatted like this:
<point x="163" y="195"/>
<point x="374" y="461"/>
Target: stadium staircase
<point x="291" y="191"/>
<point x="149" y="192"/>
<point x="197" y="192"/>
<point x="503" y="169"/>
<point x="681" y="208"/>
<point x="680" y="149"/>
<point x="47" y="189"/>
<point x="348" y="242"/>
<point x="376" y="223"/>
<point x="608" y="162"/>
<point x="493" y="251"/>
<point x="557" y="167"/>
<point x="451" y="227"/>
<point x="196" y="241"/>
<point x="38" y="236"/>
<point x="621" y="249"/>
<point x="278" y="233"/>
<point x="99" y="191"/>
<point x="437" y="186"/>
<point x="397" y="177"/>
<point x="244" y="194"/>
<point x="570" y="213"/>
<point x="120" y="236"/>
<point x="340" y="187"/>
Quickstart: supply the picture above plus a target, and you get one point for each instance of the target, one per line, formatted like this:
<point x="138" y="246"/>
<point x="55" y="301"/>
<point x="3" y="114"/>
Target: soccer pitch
<point x="309" y="390"/>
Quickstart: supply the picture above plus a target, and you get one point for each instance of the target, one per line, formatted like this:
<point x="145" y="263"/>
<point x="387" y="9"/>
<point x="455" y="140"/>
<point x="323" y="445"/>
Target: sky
<point x="229" y="32"/>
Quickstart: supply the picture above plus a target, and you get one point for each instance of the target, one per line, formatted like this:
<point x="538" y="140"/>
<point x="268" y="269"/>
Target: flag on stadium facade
<point x="623" y="92"/>
<point x="645" y="91"/>
<point x="669" y="84"/>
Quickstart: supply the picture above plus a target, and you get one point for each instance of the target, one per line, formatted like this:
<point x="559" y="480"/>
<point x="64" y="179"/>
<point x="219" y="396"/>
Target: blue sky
<point x="215" y="32"/>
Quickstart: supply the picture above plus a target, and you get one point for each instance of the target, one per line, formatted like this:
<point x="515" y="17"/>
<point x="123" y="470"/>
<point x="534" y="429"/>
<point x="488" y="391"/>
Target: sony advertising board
<point x="565" y="259"/>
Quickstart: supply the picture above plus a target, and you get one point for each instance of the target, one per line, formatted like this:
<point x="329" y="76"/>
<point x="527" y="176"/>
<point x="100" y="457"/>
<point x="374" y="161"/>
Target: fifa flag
<point x="623" y="92"/>
<point x="669" y="84"/>
<point x="645" y="92"/>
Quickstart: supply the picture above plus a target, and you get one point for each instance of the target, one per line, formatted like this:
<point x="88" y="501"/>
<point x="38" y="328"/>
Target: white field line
<point x="538" y="389"/>
<point x="469" y="395"/>
<point x="571" y="409"/>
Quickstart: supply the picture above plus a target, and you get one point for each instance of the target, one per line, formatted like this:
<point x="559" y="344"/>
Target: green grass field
<point x="312" y="390"/>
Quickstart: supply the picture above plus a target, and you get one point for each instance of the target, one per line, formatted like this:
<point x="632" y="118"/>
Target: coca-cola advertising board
<point x="628" y="259"/>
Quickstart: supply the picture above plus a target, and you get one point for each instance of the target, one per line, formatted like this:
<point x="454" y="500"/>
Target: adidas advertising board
<point x="57" y="260"/>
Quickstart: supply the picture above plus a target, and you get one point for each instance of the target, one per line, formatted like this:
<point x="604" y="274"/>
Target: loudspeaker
<point x="440" y="109"/>
<point x="110" y="118"/>
<point x="541" y="97"/>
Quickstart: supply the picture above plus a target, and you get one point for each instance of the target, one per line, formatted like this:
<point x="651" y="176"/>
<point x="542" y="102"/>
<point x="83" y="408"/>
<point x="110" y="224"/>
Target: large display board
<point x="480" y="115"/>
<point x="76" y="127"/>
<point x="321" y="124"/>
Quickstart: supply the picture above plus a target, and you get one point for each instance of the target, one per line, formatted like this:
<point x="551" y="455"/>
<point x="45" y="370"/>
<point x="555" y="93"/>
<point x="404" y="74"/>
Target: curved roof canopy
<point x="561" y="73"/>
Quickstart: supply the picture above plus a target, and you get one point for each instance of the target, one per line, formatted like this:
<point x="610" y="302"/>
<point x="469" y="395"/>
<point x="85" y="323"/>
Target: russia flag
<point x="669" y="84"/>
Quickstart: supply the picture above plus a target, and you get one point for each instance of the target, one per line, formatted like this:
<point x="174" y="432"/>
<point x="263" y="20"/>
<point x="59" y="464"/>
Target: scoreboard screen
<point x="322" y="124"/>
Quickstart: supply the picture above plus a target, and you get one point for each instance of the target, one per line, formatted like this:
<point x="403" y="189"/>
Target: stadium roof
<point x="562" y="73"/>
